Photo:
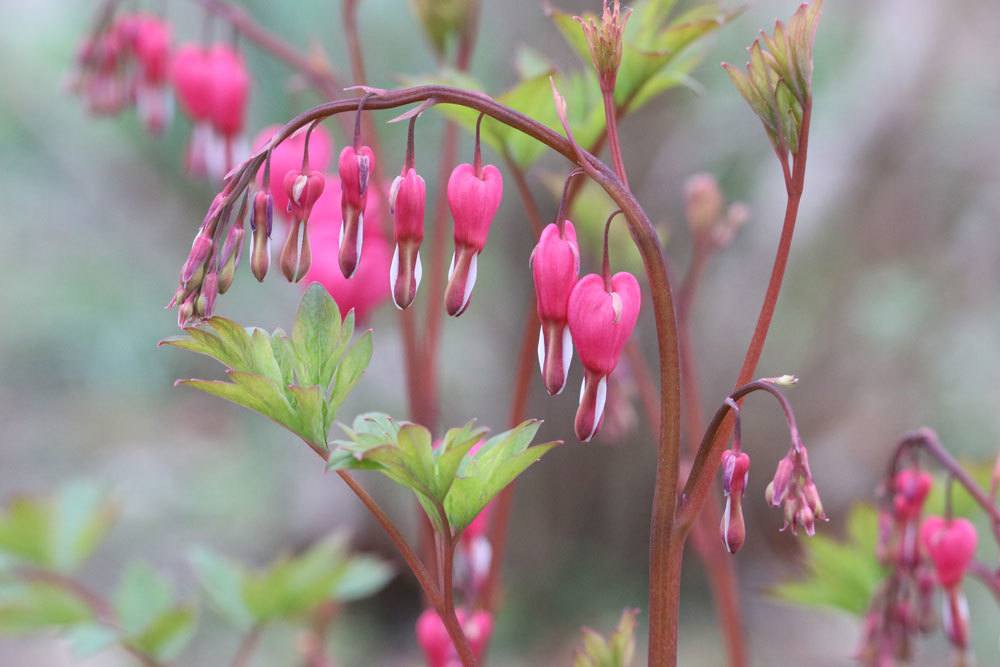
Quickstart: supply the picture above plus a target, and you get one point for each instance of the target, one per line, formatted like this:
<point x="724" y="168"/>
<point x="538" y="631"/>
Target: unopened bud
<point x="185" y="312"/>
<point x="703" y="202"/>
<point x="604" y="40"/>
<point x="201" y="248"/>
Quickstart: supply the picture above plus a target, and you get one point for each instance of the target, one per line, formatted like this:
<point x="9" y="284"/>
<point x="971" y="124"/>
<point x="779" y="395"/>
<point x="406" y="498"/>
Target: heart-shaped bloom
<point x="303" y="189"/>
<point x="601" y="316"/>
<point x="151" y="43"/>
<point x="432" y="635"/>
<point x="230" y="90"/>
<point x="473" y="198"/>
<point x="192" y="76"/>
<point x="407" y="198"/>
<point x="951" y="544"/>
<point x="287" y="156"/>
<point x="555" y="266"/>
<point x="356" y="167"/>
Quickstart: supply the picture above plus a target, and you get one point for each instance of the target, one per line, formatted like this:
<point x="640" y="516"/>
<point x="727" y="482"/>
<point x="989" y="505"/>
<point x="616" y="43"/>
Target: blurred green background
<point x="890" y="315"/>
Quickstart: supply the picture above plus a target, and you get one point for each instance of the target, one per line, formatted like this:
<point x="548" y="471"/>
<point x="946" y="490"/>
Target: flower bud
<point x="955" y="617"/>
<point x="356" y="168"/>
<point x="205" y="303"/>
<point x="703" y="202"/>
<point x="473" y="198"/>
<point x="951" y="545"/>
<point x="406" y="202"/>
<point x="434" y="640"/>
<point x="231" y="253"/>
<point x="735" y="474"/>
<point x="601" y="318"/>
<point x="201" y="248"/>
<point x="261" y="218"/>
<point x="555" y="266"/>
<point x="604" y="41"/>
<point x="911" y="487"/>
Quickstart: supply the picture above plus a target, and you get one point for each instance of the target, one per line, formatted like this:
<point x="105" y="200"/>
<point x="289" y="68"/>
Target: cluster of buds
<point x="215" y="253"/>
<point x="604" y="40"/>
<point x="778" y="80"/>
<point x="213" y="87"/>
<point x="713" y="225"/>
<point x="125" y="63"/>
<point x="793" y="489"/>
<point x="439" y="651"/>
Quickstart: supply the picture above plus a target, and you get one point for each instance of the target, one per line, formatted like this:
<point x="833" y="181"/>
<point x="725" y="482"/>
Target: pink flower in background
<point x="436" y="643"/>
<point x="191" y="72"/>
<point x="368" y="288"/>
<point x="230" y="94"/>
<point x="287" y="156"/>
<point x="911" y="487"/>
<point x="602" y="314"/>
<point x="951" y="544"/>
<point x="151" y="46"/>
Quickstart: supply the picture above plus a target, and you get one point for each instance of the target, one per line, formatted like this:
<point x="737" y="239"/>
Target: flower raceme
<point x="601" y="313"/>
<point x="356" y="165"/>
<point x="555" y="266"/>
<point x="407" y="198"/>
<point x="439" y="651"/>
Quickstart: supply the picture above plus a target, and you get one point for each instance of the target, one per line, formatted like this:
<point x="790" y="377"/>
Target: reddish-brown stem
<point x="611" y="118"/>
<point x="524" y="191"/>
<point x="314" y="649"/>
<point x="699" y="484"/>
<point x="416" y="566"/>
<point x="247" y="646"/>
<point x="447" y="575"/>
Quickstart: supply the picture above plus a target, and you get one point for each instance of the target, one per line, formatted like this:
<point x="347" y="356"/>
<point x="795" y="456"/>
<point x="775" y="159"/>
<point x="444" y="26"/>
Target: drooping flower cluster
<point x="127" y="63"/>
<point x="921" y="554"/>
<point x="794" y="490"/>
<point x="213" y="87"/>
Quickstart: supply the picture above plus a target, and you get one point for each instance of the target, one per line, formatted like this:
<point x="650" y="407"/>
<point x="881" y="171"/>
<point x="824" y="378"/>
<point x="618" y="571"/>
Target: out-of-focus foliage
<point x="58" y="532"/>
<point x="447" y="477"/>
<point x="291" y="587"/>
<point x="618" y="650"/>
<point x="844" y="574"/>
<point x="299" y="381"/>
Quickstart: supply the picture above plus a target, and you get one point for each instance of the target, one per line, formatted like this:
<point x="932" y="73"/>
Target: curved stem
<point x="756" y="346"/>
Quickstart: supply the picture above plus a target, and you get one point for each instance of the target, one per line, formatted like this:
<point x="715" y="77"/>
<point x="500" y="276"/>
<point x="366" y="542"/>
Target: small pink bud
<point x="778" y="488"/>
<point x="407" y="200"/>
<point x="473" y="198"/>
<point x="951" y="545"/>
<point x="703" y="202"/>
<point x="261" y="217"/>
<point x="356" y="168"/>
<point x="205" y="304"/>
<point x="185" y="312"/>
<point x="735" y="474"/>
<point x="555" y="266"/>
<point x="201" y="248"/>
<point x="600" y="321"/>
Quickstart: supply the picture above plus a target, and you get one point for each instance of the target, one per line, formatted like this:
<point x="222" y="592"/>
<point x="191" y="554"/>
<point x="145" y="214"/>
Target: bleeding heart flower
<point x="151" y="43"/>
<point x="555" y="265"/>
<point x="369" y="286"/>
<point x="193" y="80"/>
<point x="951" y="544"/>
<point x="287" y="156"/>
<point x="473" y="197"/>
<point x="602" y="314"/>
<point x="303" y="189"/>
<point x="230" y="92"/>
<point x="439" y="651"/>
<point x="407" y="198"/>
<point x="356" y="166"/>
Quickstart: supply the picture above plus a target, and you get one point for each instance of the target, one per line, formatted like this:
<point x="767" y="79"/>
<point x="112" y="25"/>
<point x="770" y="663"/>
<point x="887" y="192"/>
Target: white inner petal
<point x="418" y="273"/>
<point x="451" y="267"/>
<point x="541" y="351"/>
<point x="567" y="355"/>
<point x="725" y="523"/>
<point x="471" y="282"/>
<point x="298" y="187"/>
<point x="393" y="275"/>
<point x="393" y="193"/>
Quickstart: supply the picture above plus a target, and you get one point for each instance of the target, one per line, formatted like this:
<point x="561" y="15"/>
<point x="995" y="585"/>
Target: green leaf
<point x="222" y="581"/>
<point x="166" y="635"/>
<point x="28" y="607"/>
<point x="298" y="381"/>
<point x="58" y="532"/>
<point x="841" y="575"/>
<point x="616" y="651"/>
<point x="316" y="337"/>
<point x="571" y="31"/>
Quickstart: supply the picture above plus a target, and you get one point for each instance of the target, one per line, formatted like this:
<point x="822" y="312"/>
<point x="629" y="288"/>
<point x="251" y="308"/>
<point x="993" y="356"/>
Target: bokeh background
<point x="890" y="315"/>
